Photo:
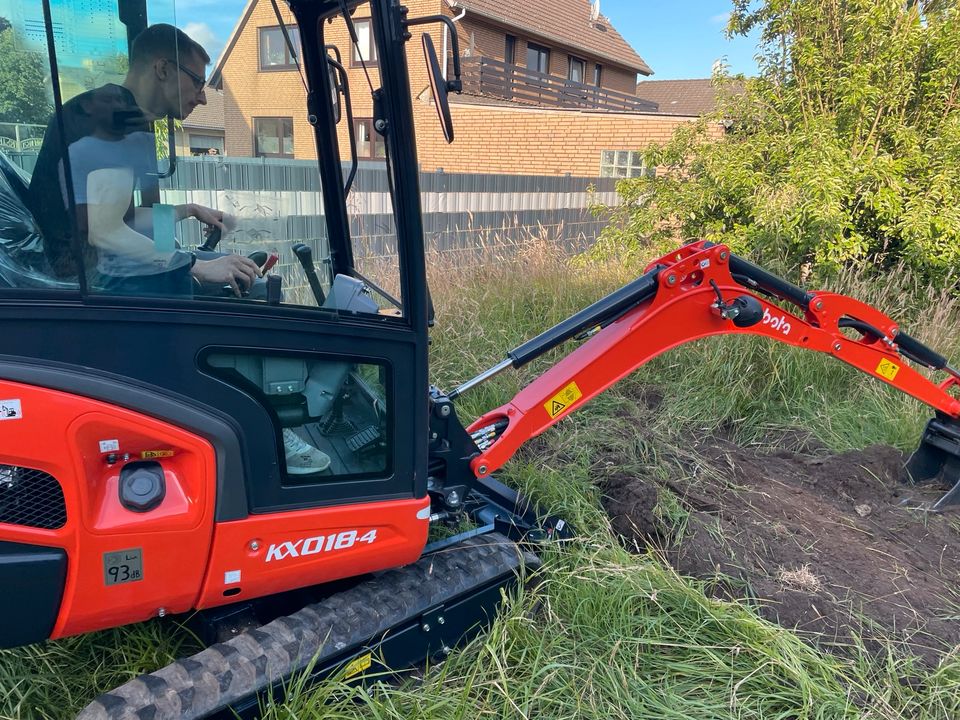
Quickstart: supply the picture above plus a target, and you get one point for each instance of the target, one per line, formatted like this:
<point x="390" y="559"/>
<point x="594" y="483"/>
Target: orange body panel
<point x="265" y="554"/>
<point x="188" y="561"/>
<point x="61" y="434"/>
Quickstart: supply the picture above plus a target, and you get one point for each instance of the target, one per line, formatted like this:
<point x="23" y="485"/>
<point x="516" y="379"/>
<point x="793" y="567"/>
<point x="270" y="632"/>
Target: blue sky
<point x="679" y="39"/>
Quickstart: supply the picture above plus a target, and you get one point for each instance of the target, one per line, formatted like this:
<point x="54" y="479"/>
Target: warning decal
<point x="562" y="400"/>
<point x="10" y="410"/>
<point x="887" y="369"/>
<point x="358" y="665"/>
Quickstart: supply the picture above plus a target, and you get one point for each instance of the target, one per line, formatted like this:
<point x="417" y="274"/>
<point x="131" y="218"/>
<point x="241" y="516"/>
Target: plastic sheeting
<point x="22" y="262"/>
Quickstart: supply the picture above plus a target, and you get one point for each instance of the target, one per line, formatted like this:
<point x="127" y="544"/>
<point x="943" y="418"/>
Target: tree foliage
<point x="847" y="145"/>
<point x="24" y="90"/>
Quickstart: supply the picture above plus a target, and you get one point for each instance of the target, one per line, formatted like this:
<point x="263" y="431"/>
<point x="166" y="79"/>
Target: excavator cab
<point x="181" y="427"/>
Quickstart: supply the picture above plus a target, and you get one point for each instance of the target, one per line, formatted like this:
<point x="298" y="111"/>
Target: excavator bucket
<point x="937" y="459"/>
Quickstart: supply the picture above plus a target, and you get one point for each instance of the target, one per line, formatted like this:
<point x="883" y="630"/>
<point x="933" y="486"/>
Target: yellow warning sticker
<point x="358" y="665"/>
<point x="887" y="369"/>
<point x="153" y="454"/>
<point x="562" y="400"/>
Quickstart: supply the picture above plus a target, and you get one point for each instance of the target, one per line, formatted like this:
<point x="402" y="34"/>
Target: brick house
<point x="549" y="88"/>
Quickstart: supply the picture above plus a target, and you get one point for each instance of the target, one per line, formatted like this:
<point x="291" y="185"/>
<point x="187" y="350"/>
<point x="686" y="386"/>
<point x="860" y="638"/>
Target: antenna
<point x="594" y="11"/>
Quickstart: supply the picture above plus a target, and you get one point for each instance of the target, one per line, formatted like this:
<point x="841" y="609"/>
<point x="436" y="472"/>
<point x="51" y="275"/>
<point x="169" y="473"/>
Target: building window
<point x="273" y="137"/>
<point x="366" y="49"/>
<point x="510" y="50"/>
<point x="201" y="144"/>
<point x="597" y="74"/>
<point x="538" y="58"/>
<point x="370" y="145"/>
<point x="274" y="52"/>
<point x="624" y="164"/>
<point x="576" y="70"/>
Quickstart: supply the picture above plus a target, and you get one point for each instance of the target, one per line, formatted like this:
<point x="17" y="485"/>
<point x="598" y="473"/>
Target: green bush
<point x="847" y="145"/>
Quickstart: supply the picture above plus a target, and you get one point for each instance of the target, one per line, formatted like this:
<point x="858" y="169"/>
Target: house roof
<point x="216" y="77"/>
<point x="564" y="22"/>
<point x="209" y="116"/>
<point x="680" y="97"/>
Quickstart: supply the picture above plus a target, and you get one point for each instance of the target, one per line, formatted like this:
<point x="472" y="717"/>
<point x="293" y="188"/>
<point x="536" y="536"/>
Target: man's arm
<point x="208" y="216"/>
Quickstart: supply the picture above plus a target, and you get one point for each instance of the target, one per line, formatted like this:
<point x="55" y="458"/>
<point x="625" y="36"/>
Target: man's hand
<point x="208" y="216"/>
<point x="233" y="270"/>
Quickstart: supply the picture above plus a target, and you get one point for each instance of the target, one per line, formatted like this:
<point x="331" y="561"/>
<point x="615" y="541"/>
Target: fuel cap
<point x="142" y="486"/>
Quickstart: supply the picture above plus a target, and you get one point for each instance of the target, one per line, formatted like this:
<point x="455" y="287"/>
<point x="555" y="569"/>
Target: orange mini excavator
<point x="270" y="459"/>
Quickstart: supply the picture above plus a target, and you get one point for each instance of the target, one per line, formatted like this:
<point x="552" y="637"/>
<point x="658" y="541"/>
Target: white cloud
<point x="203" y="34"/>
<point x="721" y="19"/>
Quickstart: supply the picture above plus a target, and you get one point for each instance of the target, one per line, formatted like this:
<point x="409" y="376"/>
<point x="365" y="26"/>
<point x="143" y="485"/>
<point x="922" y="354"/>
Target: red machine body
<point x="684" y="308"/>
<point x="187" y="561"/>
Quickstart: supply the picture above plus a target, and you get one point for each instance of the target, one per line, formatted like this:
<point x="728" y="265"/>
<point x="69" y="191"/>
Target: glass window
<point x="332" y="414"/>
<point x="538" y="58"/>
<point x="201" y="144"/>
<point x="597" y="74"/>
<point x="576" y="70"/>
<point x="274" y="51"/>
<point x="273" y="137"/>
<point x="370" y="143"/>
<point x="366" y="49"/>
<point x="510" y="50"/>
<point x="624" y="164"/>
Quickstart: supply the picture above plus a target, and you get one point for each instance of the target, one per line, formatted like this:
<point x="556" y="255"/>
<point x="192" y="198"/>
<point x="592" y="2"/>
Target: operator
<point x="108" y="133"/>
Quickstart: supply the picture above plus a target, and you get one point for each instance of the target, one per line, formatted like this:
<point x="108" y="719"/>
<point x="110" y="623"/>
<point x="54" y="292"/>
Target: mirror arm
<point x="354" y="160"/>
<point x="171" y="151"/>
<point x="455" y="85"/>
<point x="336" y="52"/>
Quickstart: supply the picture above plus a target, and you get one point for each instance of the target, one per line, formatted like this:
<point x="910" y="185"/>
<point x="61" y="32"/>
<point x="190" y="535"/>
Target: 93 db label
<point x="123" y="566"/>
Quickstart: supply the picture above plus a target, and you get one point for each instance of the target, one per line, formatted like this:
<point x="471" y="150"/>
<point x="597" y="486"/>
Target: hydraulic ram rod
<point x="601" y="313"/>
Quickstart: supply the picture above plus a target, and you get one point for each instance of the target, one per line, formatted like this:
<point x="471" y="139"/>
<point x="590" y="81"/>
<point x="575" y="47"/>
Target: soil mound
<point x="820" y="540"/>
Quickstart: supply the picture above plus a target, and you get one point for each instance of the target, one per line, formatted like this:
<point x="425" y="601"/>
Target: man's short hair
<point x="164" y="42"/>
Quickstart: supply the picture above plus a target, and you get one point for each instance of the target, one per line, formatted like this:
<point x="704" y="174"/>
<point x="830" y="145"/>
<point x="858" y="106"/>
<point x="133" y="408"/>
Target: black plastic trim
<point x="32" y="578"/>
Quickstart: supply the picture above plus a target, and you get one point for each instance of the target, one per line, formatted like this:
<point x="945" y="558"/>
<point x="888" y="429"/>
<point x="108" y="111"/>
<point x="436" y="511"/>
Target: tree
<point x="847" y="145"/>
<point x="24" y="90"/>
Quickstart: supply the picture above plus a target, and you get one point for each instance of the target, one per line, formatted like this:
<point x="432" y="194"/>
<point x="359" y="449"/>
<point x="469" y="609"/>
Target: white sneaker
<point x="302" y="457"/>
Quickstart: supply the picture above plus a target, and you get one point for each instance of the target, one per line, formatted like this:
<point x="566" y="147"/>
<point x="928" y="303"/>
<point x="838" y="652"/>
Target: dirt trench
<point x="821" y="541"/>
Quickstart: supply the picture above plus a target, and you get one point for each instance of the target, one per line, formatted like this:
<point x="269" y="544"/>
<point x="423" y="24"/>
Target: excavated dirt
<point x="821" y="541"/>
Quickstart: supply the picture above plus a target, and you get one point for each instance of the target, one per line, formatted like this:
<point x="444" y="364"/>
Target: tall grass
<point x="605" y="634"/>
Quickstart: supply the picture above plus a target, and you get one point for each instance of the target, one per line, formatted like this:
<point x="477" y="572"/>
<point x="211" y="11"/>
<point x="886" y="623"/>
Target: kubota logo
<point x="319" y="544"/>
<point x="778" y="322"/>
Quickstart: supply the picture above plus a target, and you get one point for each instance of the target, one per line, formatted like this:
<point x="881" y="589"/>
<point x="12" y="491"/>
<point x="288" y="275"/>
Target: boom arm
<point x="698" y="291"/>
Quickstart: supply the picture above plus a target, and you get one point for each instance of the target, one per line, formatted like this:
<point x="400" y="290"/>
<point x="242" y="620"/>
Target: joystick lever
<point x="305" y="256"/>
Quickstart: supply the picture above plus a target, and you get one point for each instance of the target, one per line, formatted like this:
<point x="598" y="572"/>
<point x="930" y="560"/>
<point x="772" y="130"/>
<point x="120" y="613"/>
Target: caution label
<point x="562" y="400"/>
<point x="358" y="665"/>
<point x="887" y="369"/>
<point x="154" y="454"/>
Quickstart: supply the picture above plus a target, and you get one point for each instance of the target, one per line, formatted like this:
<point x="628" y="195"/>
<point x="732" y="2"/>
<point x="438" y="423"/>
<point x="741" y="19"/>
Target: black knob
<point x="142" y="486"/>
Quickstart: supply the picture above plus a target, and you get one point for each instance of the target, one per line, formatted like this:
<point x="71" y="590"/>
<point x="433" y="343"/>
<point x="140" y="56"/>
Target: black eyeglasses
<point x="198" y="82"/>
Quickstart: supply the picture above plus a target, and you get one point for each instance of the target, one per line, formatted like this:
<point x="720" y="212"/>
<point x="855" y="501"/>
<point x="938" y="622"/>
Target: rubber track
<point x="228" y="672"/>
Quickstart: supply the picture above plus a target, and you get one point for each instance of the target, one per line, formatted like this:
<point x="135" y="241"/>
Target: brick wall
<point x="494" y="139"/>
<point x="250" y="92"/>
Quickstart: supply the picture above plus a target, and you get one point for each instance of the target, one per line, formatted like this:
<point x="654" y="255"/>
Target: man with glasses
<point x="111" y="150"/>
<point x="165" y="79"/>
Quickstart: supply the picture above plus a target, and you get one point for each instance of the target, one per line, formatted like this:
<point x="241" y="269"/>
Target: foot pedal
<point x="937" y="459"/>
<point x="364" y="440"/>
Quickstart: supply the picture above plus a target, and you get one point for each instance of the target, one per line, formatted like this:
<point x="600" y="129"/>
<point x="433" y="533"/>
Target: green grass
<point x="605" y="634"/>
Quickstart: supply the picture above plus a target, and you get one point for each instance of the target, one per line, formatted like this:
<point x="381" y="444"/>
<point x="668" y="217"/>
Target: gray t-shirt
<point x="133" y="157"/>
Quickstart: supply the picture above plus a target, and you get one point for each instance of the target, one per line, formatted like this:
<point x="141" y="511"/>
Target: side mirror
<point x="334" y="90"/>
<point x="438" y="87"/>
